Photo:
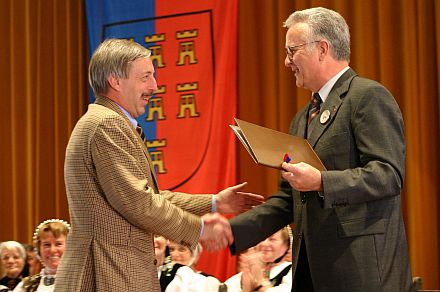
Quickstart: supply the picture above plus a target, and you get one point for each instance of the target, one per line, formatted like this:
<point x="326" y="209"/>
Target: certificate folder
<point x="268" y="147"/>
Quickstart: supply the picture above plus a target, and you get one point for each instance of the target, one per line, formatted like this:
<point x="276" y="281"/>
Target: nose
<point x="265" y="242"/>
<point x="53" y="249"/>
<point x="287" y="61"/>
<point x="153" y="84"/>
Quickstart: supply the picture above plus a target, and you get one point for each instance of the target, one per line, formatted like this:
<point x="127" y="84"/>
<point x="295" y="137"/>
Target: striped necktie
<point x="315" y="106"/>
<point x="141" y="133"/>
<point x="154" y="183"/>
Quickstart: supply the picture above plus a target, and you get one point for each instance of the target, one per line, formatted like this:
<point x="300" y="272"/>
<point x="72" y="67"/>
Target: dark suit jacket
<point x="355" y="237"/>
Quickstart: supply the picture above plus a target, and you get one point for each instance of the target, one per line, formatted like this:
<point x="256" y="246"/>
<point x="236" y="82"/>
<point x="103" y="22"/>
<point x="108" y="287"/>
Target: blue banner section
<point x="101" y="13"/>
<point x="117" y="19"/>
<point x="193" y="48"/>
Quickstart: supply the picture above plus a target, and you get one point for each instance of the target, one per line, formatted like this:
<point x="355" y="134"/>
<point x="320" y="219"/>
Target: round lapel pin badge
<point x="325" y="116"/>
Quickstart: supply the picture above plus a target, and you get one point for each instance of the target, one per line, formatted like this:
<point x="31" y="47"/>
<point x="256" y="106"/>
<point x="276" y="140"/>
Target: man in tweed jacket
<point x="114" y="201"/>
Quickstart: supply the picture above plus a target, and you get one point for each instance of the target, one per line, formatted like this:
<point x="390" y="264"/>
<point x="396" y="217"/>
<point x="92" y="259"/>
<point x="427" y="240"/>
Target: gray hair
<point x="13" y="245"/>
<point x="325" y="24"/>
<point x="113" y="57"/>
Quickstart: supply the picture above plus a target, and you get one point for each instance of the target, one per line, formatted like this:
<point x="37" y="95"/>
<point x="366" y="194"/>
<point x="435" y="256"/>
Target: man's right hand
<point x="217" y="232"/>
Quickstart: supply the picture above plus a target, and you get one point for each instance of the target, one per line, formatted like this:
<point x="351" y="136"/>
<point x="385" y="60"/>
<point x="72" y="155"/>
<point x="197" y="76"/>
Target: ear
<point x="114" y="82"/>
<point x="323" y="48"/>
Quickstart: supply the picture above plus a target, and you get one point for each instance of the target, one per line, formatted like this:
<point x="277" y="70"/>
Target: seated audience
<point x="49" y="242"/>
<point x="166" y="269"/>
<point x="183" y="255"/>
<point x="33" y="263"/>
<point x="175" y="272"/>
<point x="265" y="268"/>
<point x="13" y="258"/>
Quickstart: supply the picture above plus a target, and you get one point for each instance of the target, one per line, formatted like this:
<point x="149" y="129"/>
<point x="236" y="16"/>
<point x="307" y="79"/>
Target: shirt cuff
<point x="201" y="229"/>
<point x="214" y="204"/>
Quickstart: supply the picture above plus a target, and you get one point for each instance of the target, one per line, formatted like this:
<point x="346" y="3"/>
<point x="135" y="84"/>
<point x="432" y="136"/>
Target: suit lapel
<point x="108" y="103"/>
<point x="331" y="106"/>
<point x="302" y="123"/>
<point x="151" y="167"/>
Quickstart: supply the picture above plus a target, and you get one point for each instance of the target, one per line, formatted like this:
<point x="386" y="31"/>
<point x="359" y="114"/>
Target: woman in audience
<point x="32" y="261"/>
<point x="13" y="258"/>
<point x="166" y="270"/>
<point x="175" y="272"/>
<point x="49" y="242"/>
<point x="183" y="255"/>
<point x="266" y="267"/>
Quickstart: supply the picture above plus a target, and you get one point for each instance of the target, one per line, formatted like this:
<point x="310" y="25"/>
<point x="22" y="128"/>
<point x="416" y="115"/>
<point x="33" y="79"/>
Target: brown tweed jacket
<point x="115" y="207"/>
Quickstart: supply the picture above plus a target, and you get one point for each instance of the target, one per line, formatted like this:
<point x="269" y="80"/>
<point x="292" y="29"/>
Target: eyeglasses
<point x="291" y="51"/>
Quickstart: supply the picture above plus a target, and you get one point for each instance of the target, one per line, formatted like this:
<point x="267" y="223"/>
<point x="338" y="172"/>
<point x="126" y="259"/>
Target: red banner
<point x="194" y="50"/>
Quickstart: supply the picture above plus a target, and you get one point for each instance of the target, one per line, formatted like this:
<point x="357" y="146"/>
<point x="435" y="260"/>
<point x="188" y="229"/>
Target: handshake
<point x="217" y="232"/>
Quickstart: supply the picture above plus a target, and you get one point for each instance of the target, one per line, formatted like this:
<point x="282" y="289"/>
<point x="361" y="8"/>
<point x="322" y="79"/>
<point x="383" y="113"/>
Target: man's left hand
<point x="302" y="177"/>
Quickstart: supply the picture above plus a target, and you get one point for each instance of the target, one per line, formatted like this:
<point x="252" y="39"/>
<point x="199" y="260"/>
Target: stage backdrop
<point x="193" y="45"/>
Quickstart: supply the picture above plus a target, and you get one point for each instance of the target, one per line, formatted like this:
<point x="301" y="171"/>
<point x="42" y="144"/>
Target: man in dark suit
<point x="349" y="233"/>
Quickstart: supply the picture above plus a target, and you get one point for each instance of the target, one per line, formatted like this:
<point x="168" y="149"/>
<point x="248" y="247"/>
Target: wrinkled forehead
<point x="142" y="64"/>
<point x="10" y="252"/>
<point x="297" y="33"/>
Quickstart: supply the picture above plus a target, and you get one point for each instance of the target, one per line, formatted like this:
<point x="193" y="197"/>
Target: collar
<point x="132" y="120"/>
<point x="325" y="90"/>
<point x="48" y="279"/>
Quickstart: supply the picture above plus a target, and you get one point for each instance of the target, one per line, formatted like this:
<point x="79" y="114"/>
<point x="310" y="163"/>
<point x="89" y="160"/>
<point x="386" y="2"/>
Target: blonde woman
<point x="266" y="267"/>
<point x="49" y="242"/>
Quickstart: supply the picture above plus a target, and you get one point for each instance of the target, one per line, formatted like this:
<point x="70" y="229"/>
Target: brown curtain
<point x="393" y="42"/>
<point x="43" y="57"/>
<point x="43" y="84"/>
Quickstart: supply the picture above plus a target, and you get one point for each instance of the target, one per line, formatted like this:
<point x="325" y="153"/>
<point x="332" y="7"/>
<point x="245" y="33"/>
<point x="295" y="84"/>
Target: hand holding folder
<point x="269" y="147"/>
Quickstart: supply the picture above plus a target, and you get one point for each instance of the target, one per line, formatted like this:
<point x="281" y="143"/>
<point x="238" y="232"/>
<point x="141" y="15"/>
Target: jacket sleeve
<point x="120" y="170"/>
<point x="255" y="225"/>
